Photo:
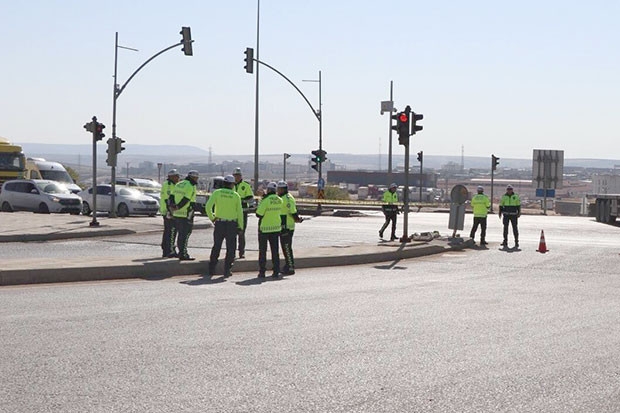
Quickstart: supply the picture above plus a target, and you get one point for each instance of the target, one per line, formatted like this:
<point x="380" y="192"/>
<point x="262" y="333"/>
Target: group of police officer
<point x="228" y="209"/>
<point x="509" y="207"/>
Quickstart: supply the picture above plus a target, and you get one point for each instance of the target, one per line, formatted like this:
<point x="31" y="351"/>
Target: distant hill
<point x="185" y="154"/>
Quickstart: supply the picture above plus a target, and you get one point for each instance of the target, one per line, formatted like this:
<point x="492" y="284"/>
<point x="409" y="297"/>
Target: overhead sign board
<point x="542" y="193"/>
<point x="547" y="169"/>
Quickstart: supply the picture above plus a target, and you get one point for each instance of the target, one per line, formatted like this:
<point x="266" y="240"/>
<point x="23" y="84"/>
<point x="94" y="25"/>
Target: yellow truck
<point x="12" y="161"/>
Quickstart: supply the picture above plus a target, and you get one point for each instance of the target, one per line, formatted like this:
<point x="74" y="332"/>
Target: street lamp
<point x="286" y="156"/>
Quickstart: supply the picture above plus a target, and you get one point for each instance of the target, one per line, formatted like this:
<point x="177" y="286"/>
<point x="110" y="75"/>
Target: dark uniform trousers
<point x="390" y="212"/>
<point x="169" y="237"/>
<point x="482" y="221"/>
<point x="271" y="238"/>
<point x="242" y="234"/>
<point x="511" y="219"/>
<point x="184" y="228"/>
<point x="286" y="239"/>
<point x="224" y="230"/>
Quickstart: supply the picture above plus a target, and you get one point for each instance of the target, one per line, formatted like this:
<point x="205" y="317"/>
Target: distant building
<point x="365" y="178"/>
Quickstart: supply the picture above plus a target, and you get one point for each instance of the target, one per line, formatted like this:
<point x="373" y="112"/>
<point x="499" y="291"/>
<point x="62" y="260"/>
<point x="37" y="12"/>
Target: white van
<point x="39" y="168"/>
<point x="38" y="195"/>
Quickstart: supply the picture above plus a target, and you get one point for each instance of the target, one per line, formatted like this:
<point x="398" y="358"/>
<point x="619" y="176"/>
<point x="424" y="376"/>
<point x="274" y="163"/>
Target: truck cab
<point x="12" y="161"/>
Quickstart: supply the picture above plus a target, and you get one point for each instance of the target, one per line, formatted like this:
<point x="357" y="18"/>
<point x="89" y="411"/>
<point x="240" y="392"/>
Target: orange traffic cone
<point x="542" y="245"/>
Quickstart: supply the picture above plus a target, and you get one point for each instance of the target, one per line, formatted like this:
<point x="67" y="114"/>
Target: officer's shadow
<point x="258" y="281"/>
<point x="204" y="280"/>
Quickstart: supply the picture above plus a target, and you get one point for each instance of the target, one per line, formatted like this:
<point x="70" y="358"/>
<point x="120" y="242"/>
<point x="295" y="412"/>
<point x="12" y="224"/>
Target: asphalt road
<point x="474" y="331"/>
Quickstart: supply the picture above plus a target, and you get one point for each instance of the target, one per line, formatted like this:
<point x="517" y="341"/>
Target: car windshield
<point x="147" y="183"/>
<point x="129" y="192"/>
<point x="52" y="188"/>
<point x="56" y="175"/>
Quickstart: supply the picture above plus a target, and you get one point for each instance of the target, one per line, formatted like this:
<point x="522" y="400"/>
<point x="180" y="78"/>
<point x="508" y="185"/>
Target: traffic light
<point x="416" y="117"/>
<point x="90" y="127"/>
<point x="187" y="41"/>
<point x="402" y="127"/>
<point x="318" y="158"/>
<point x="420" y="156"/>
<point x="111" y="159"/>
<point x="119" y="145"/>
<point x="494" y="162"/>
<point x="249" y="60"/>
<point x="99" y="135"/>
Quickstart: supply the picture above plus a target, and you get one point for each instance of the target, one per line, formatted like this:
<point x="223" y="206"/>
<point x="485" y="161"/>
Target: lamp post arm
<point x="120" y="90"/>
<point x="314" y="112"/>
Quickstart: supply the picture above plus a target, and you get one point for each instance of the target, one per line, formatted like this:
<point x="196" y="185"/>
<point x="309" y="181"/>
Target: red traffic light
<point x="403" y="117"/>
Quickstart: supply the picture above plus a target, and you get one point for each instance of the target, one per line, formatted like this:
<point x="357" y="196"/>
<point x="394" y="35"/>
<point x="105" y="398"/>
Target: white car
<point x="147" y="186"/>
<point x="38" y="195"/>
<point x="128" y="201"/>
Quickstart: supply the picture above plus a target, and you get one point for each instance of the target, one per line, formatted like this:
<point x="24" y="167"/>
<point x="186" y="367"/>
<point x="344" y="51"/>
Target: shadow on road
<point x="204" y="280"/>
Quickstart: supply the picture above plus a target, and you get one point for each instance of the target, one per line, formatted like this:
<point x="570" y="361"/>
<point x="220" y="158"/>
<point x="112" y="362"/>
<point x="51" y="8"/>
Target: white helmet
<point x="173" y="172"/>
<point x="271" y="187"/>
<point x="237" y="171"/>
<point x="193" y="173"/>
<point x="393" y="185"/>
<point x="480" y="189"/>
<point x="282" y="184"/>
<point x="229" y="179"/>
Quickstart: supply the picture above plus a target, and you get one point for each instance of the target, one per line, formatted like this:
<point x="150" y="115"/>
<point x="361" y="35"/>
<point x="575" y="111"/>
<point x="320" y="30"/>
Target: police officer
<point x="184" y="194"/>
<point x="390" y="210"/>
<point x="510" y="207"/>
<point x="270" y="222"/>
<point x="165" y="203"/>
<point x="480" y="204"/>
<point x="286" y="237"/>
<point x="247" y="201"/>
<point x="225" y="211"/>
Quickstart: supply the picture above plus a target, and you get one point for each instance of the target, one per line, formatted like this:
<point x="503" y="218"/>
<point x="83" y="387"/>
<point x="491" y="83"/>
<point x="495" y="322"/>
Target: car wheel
<point x="6" y="207"/>
<point x="123" y="211"/>
<point x="86" y="208"/>
<point x="43" y="209"/>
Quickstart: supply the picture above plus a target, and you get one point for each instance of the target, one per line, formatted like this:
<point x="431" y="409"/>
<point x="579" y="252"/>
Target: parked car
<point x="129" y="201"/>
<point x="147" y="186"/>
<point x="38" y="195"/>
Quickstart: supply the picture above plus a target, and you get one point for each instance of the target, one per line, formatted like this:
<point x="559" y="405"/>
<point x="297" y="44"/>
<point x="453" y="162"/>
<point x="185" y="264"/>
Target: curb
<point x="159" y="268"/>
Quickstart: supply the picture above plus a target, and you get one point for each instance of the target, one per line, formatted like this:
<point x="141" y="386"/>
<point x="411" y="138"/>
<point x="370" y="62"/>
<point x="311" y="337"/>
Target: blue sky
<point x="489" y="76"/>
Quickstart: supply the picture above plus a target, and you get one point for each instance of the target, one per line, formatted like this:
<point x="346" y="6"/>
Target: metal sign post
<point x="547" y="172"/>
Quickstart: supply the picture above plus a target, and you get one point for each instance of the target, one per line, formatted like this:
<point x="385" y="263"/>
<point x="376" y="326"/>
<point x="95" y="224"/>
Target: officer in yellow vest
<point x="390" y="210"/>
<point x="510" y="207"/>
<point x="480" y="205"/>
<point x="225" y="211"/>
<point x="184" y="194"/>
<point x="247" y="201"/>
<point x="270" y="222"/>
<point x="165" y="202"/>
<point x="286" y="237"/>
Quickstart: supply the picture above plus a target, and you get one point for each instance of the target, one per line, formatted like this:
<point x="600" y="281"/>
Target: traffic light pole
<point x="117" y="93"/>
<point x="390" y="133"/>
<point x="317" y="113"/>
<point x="492" y="185"/>
<point x="421" y="177"/>
<point x="405" y="237"/>
<point x="94" y="222"/>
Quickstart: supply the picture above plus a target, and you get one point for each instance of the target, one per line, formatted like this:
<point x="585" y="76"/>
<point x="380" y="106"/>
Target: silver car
<point x="128" y="201"/>
<point x="38" y="195"/>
